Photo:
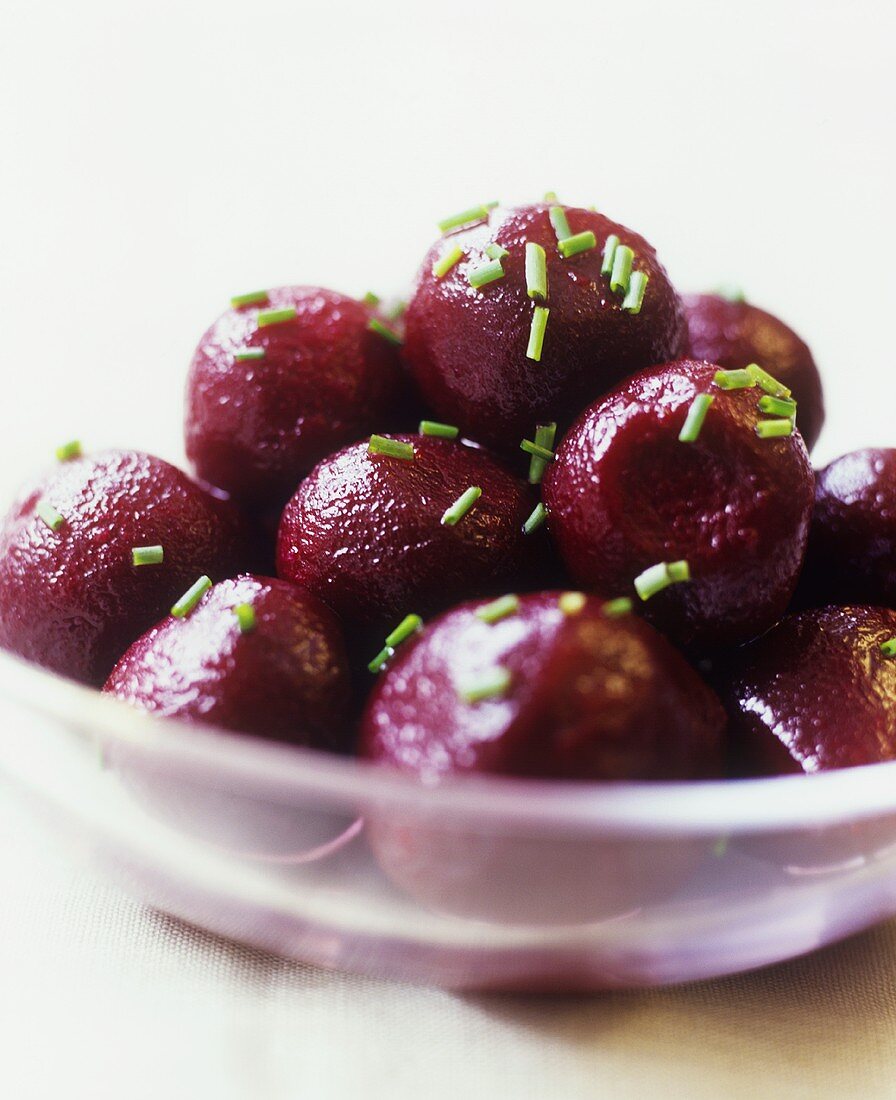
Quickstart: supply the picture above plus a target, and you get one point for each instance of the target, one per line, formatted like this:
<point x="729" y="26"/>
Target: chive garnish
<point x="558" y="220"/>
<point x="609" y="253"/>
<point x="581" y="242"/>
<point x="380" y="659"/>
<point x="441" y="431"/>
<point x="614" y="608"/>
<point x="495" y="251"/>
<point x="371" y="299"/>
<point x="536" y="519"/>
<point x="377" y="326"/>
<point x="253" y="298"/>
<point x="465" y="217"/>
<point x="536" y="271"/>
<point x="720" y="847"/>
<point x="778" y="406"/>
<point x="660" y="576"/>
<point x="276" y="316"/>
<point x="395" y="310"/>
<point x="487" y="686"/>
<point x="634" y="297"/>
<point x="730" y="292"/>
<point x="147" y="555"/>
<point x="498" y="609"/>
<point x="486" y="273"/>
<point x="447" y="260"/>
<point x="774" y="429"/>
<point x="693" y="422"/>
<point x="888" y="648"/>
<point x="191" y="597"/>
<point x="409" y="625"/>
<point x="766" y="382"/>
<point x="571" y="603"/>
<point x="391" y="448"/>
<point x="536" y="333"/>
<point x="53" y="519"/>
<point x="245" y="354"/>
<point x="733" y="379"/>
<point x="245" y="617"/>
<point x="544" y="437"/>
<point x="550" y="196"/>
<point x="70" y="450"/>
<point x="622" y="268"/>
<point x="538" y="451"/>
<point x="461" y="506"/>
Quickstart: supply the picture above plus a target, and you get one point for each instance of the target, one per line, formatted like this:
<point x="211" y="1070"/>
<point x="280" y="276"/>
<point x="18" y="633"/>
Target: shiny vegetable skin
<point x="72" y="600"/>
<point x="364" y="531"/>
<point x="625" y="494"/>
<point x="286" y="678"/>
<point x="255" y="427"/>
<point x="589" y="697"/>
<point x="815" y="693"/>
<point x="735" y="333"/>
<point x="466" y="347"/>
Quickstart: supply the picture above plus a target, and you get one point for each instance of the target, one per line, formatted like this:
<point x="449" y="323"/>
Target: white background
<point x="156" y="158"/>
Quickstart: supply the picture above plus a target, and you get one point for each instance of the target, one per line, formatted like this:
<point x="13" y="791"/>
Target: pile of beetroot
<point x="550" y="519"/>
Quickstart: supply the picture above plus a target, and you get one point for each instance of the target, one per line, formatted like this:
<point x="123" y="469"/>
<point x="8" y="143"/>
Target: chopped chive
<point x="679" y="571"/>
<point x="634" y="296"/>
<point x="371" y="299"/>
<point x="550" y="196"/>
<point x="53" y="519"/>
<point x="70" y="450"/>
<point x="461" y="506"/>
<point x="720" y="847"/>
<point x="191" y="597"/>
<point x="766" y="382"/>
<point x="409" y="625"/>
<point x="538" y="451"/>
<point x="245" y="617"/>
<point x="693" y="422"/>
<point x="391" y="448"/>
<point x="395" y="309"/>
<point x="660" y="576"/>
<point x="447" y="260"/>
<point x="614" y="608"/>
<point x="581" y="242"/>
<point x="571" y="603"/>
<point x="536" y="271"/>
<point x="246" y="354"/>
<point x="888" y="648"/>
<point x="465" y="217"/>
<point x="733" y="379"/>
<point x="253" y="298"/>
<point x="778" y="406"/>
<point x="609" y="253"/>
<point x="483" y="274"/>
<point x="622" y="268"/>
<point x="558" y="220"/>
<point x="730" y="292"/>
<point x="377" y="326"/>
<point x="147" y="555"/>
<point x="536" y="519"/>
<point x="276" y="316"/>
<point x="441" y="431"/>
<point x="498" y="609"/>
<point x="380" y="659"/>
<point x="536" y="333"/>
<point x="774" y="429"/>
<point x="487" y="686"/>
<point x="495" y="251"/>
<point x="544" y="437"/>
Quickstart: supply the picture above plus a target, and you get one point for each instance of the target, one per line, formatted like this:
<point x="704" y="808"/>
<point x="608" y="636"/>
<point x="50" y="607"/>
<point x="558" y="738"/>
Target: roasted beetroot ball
<point x="276" y="385"/>
<point x="71" y="597"/>
<point x="255" y="655"/>
<point x="625" y="494"/>
<point x="816" y="693"/>
<point x="467" y="347"/>
<point x="369" y="534"/>
<point x="555" y="688"/>
<point x="732" y="333"/>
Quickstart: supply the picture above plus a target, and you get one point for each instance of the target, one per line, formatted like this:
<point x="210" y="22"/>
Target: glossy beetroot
<point x="466" y="347"/>
<point x="580" y="695"/>
<point x="71" y="599"/>
<point x="255" y="426"/>
<point x="625" y="494"/>
<point x="364" y="531"/>
<point x="815" y="693"/>
<point x="733" y="333"/>
<point x="285" y="678"/>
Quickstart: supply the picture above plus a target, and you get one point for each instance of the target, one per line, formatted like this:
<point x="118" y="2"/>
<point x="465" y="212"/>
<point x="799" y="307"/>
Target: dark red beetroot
<point x="71" y="599"/>
<point x="466" y="348"/>
<point x="364" y="531"/>
<point x="255" y="426"/>
<point x="815" y="693"/>
<point x="283" y="676"/>
<point x="733" y="334"/>
<point x="624" y="495"/>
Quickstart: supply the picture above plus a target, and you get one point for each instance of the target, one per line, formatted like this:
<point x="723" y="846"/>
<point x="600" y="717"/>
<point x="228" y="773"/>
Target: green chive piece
<point x="276" y="316"/>
<point x="447" y="260"/>
<point x="536" y="333"/>
<point x="536" y="519"/>
<point x="53" y="519"/>
<point x="498" y="609"/>
<point x="888" y="648"/>
<point x="248" y="354"/>
<point x="441" y="431"/>
<point x="693" y="422"/>
<point x="465" y="217"/>
<point x="571" y="603"/>
<point x="380" y="659"/>
<point x="550" y="196"/>
<point x="495" y="251"/>
<point x="581" y="242"/>
<point x="766" y="382"/>
<point x="536" y="271"/>
<point x="483" y="274"/>
<point x="622" y="268"/>
<point x="730" y="292"/>
<point x="70" y="450"/>
<point x="558" y="220"/>
<point x="487" y="686"/>
<point x="634" y="296"/>
<point x="245" y="617"/>
<point x="544" y="437"/>
<point x="679" y="571"/>
<point x="377" y="326"/>
<point x="391" y="448"/>
<point x="461" y="506"/>
<point x="534" y="449"/>
<point x="660" y="576"/>
<point x="609" y="253"/>
<point x="774" y="429"/>
<point x="395" y="309"/>
<point x="253" y="298"/>
<point x="720" y="847"/>
<point x="409" y="625"/>
<point x="733" y="379"/>
<point x="147" y="555"/>
<point x="371" y="299"/>
<point x="614" y="608"/>
<point x="191" y="597"/>
<point x="778" y="406"/>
